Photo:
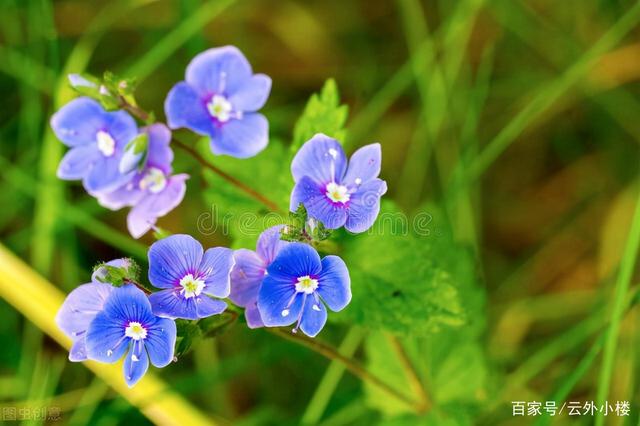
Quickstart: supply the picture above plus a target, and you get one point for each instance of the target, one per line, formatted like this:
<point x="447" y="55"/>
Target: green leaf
<point x="117" y="276"/>
<point x="187" y="333"/>
<point x="217" y="324"/>
<point x="322" y="114"/>
<point x="408" y="277"/>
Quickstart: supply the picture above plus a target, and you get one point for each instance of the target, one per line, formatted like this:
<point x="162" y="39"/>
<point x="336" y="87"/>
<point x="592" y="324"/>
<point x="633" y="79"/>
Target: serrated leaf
<point x="322" y="114"/>
<point x="405" y="283"/>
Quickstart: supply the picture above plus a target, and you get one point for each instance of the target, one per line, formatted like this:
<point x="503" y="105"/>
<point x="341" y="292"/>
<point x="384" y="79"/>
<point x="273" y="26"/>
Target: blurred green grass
<point x="518" y="117"/>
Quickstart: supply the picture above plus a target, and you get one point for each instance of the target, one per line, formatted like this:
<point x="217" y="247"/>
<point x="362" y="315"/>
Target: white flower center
<point x="154" y="180"/>
<point x="337" y="193"/>
<point x="106" y="144"/>
<point x="135" y="330"/>
<point x="220" y="108"/>
<point x="191" y="286"/>
<point x="306" y="284"/>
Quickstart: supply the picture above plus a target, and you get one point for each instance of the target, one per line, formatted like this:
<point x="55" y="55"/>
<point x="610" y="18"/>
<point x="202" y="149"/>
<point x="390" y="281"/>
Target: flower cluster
<point x="283" y="282"/>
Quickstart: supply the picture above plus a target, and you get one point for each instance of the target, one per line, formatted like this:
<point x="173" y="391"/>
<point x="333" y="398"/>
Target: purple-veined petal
<point x="186" y="108"/>
<point x="78" y="351"/>
<point x="215" y="268"/>
<point x="241" y="138"/>
<point x="246" y="276"/>
<point x="77" y="162"/>
<point x="160" y="342"/>
<point x="221" y="70"/>
<point x="314" y="316"/>
<point x="269" y="244"/>
<point x="80" y="308"/>
<point x="206" y="306"/>
<point x="332" y="214"/>
<point x="334" y="284"/>
<point x="171" y="304"/>
<point x="252" y="95"/>
<point x="122" y="128"/>
<point x="321" y="158"/>
<point x="127" y="195"/>
<point x="105" y="175"/>
<point x="152" y="206"/>
<point x="128" y="303"/>
<point x="294" y="260"/>
<point x="171" y="258"/>
<point x="78" y="122"/>
<point x="136" y="363"/>
<point x="364" y="165"/>
<point x="252" y="315"/>
<point x="160" y="154"/>
<point x="278" y="302"/>
<point x="106" y="340"/>
<point x="364" y="206"/>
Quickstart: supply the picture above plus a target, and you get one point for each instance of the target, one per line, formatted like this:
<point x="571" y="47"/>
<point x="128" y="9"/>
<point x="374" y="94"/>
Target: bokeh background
<point x="517" y="120"/>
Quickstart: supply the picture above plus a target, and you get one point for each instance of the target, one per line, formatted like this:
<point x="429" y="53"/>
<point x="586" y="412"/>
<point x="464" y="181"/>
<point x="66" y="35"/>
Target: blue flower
<point x="219" y="99"/>
<point x="333" y="192"/>
<point x="81" y="306"/>
<point x="126" y="326"/>
<point x="298" y="285"/>
<point x="189" y="276"/>
<point x="97" y="139"/>
<point x="152" y="191"/>
<point x="249" y="271"/>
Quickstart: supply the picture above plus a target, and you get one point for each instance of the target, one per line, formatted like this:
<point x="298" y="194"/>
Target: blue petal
<point x="334" y="284"/>
<point x="136" y="363"/>
<point x="207" y="306"/>
<point x="150" y="207"/>
<point x="246" y="276"/>
<point x="80" y="308"/>
<point x="78" y="351"/>
<point x="252" y="95"/>
<point x="122" y="128"/>
<point x="105" y="175"/>
<point x="215" y="269"/>
<point x="77" y="122"/>
<point x="364" y="206"/>
<point x="321" y="158"/>
<point x="252" y="315"/>
<point x="241" y="138"/>
<point x="106" y="340"/>
<point x="186" y="108"/>
<point x="126" y="195"/>
<point x="128" y="303"/>
<point x="314" y="317"/>
<point x="294" y="261"/>
<point x="278" y="302"/>
<point x="160" y="342"/>
<point x="221" y="70"/>
<point x="171" y="258"/>
<point x="308" y="192"/>
<point x="269" y="243"/>
<point x="76" y="163"/>
<point x="170" y="304"/>
<point x="160" y="154"/>
<point x="364" y="165"/>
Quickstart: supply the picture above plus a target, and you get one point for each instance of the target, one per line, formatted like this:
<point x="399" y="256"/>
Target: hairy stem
<point x="145" y="116"/>
<point x="355" y="368"/>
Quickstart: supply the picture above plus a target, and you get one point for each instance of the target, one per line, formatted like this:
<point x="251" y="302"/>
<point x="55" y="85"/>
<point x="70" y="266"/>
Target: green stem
<point x="622" y="288"/>
<point x="145" y="116"/>
<point x="351" y="365"/>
